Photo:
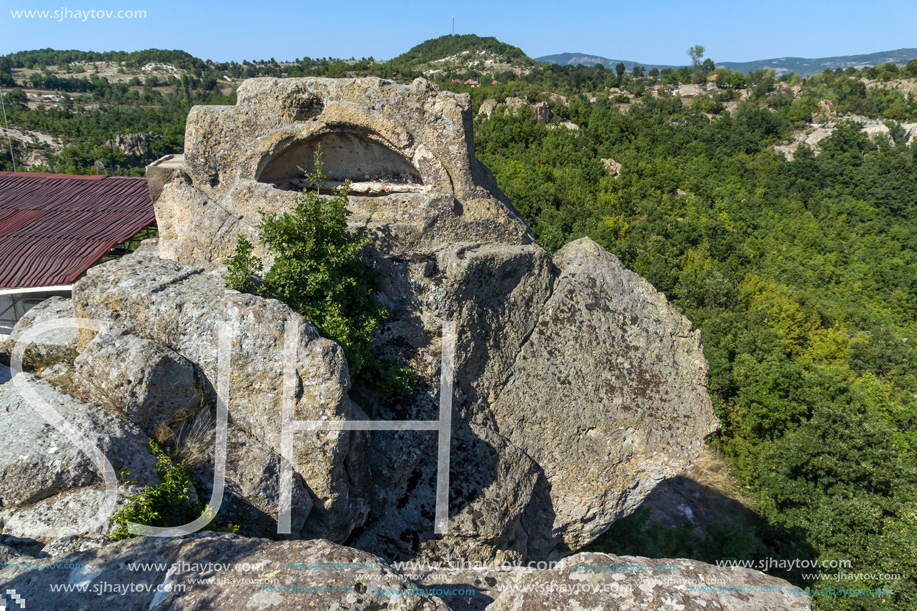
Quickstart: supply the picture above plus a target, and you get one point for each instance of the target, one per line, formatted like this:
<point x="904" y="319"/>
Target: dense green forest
<point x="802" y="277"/>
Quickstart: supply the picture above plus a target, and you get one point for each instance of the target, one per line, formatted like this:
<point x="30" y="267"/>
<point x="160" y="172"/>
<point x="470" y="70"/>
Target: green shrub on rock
<point x="317" y="271"/>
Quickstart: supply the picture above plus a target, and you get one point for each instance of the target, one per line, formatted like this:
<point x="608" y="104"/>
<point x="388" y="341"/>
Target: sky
<point x="654" y="33"/>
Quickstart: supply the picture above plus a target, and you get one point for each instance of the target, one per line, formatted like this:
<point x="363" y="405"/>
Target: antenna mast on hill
<point x="7" y="123"/>
<point x="453" y="25"/>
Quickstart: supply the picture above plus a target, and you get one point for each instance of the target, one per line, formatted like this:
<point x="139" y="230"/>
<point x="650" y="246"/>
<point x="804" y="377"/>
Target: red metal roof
<point x="53" y="227"/>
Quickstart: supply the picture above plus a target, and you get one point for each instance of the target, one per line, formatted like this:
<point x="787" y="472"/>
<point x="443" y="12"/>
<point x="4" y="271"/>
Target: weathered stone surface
<point x="148" y="383"/>
<point x="491" y="292"/>
<point x="406" y="149"/>
<point x="873" y="131"/>
<point x="181" y="307"/>
<point x="230" y="572"/>
<point x="608" y="394"/>
<point x="589" y="581"/>
<point x="234" y="571"/>
<point x="252" y="496"/>
<point x="69" y="511"/>
<point x="52" y="342"/>
<point x="10" y="555"/>
<point x="70" y="544"/>
<point x="37" y="461"/>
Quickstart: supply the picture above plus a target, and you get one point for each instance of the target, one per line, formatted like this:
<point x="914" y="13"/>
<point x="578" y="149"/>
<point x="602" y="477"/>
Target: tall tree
<point x="696" y="53"/>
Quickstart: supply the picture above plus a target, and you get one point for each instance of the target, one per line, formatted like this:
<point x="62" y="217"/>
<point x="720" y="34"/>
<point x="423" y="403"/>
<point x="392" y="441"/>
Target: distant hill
<point x="804" y="66"/>
<point x="591" y="60"/>
<point x="782" y="65"/>
<point x="467" y="51"/>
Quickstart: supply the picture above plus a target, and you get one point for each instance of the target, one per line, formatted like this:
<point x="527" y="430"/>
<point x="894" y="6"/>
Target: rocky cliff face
<point x="577" y="388"/>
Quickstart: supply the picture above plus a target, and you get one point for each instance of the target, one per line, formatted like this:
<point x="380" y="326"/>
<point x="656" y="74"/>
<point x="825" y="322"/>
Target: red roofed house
<point x="53" y="227"/>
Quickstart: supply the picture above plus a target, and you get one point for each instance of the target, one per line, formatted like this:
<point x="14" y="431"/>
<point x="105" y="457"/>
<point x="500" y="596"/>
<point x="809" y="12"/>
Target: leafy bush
<point x="317" y="271"/>
<point x="155" y="503"/>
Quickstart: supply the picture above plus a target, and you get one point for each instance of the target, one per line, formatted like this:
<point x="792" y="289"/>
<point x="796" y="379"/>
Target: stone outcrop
<point x="195" y="572"/>
<point x="819" y="130"/>
<point x="251" y="499"/>
<point x="263" y="575"/>
<point x="487" y="107"/>
<point x="577" y="387"/>
<point x="446" y="246"/>
<point x="134" y="146"/>
<point x="543" y="114"/>
<point x="612" y="167"/>
<point x="590" y="581"/>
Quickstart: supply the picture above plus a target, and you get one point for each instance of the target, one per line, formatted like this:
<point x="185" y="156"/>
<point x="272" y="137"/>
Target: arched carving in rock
<point x="373" y="168"/>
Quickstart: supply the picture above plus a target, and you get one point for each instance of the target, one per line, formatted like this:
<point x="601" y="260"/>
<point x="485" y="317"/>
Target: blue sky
<point x="656" y="33"/>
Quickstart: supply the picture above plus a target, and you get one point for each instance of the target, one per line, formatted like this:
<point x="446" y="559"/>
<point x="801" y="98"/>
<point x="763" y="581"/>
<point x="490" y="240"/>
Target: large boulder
<point x="487" y="107"/>
<point x="607" y="427"/>
<point x="251" y="499"/>
<point x="66" y="512"/>
<point x="149" y="384"/>
<point x="181" y="307"/>
<point x="38" y="461"/>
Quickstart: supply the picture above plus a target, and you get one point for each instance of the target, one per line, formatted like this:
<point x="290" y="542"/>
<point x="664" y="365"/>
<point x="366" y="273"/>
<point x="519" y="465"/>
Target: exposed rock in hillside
<point x="543" y="114"/>
<point x="194" y="573"/>
<point x="818" y="131"/>
<point x="487" y="107"/>
<point x="612" y="167"/>
<point x="873" y="131"/>
<point x="134" y="146"/>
